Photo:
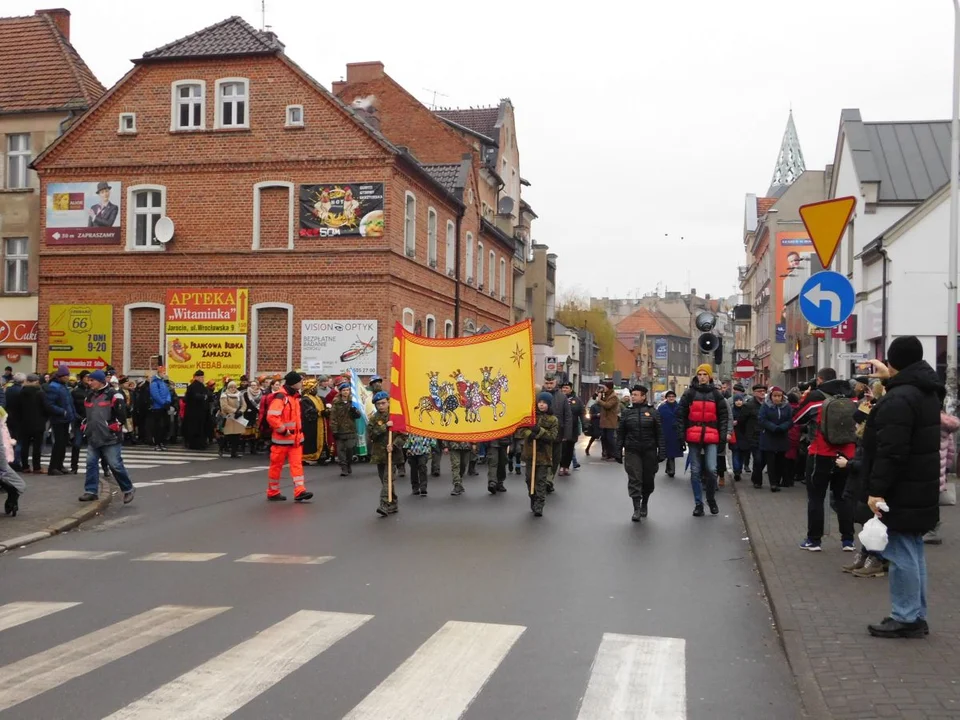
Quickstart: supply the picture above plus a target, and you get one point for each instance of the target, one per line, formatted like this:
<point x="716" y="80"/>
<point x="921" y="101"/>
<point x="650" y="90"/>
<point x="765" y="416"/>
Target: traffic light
<point x="708" y="342"/>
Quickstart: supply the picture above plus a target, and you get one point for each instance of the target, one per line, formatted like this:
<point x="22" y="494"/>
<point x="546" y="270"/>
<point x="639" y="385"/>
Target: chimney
<point x="364" y="71"/>
<point x="61" y="18"/>
<point x="338" y="86"/>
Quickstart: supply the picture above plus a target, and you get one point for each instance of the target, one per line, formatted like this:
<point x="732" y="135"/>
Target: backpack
<point x="837" y="426"/>
<point x="263" y="427"/>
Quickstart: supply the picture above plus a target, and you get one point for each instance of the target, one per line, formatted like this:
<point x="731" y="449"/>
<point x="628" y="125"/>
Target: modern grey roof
<point x="910" y="160"/>
<point x="230" y="37"/>
<point x="447" y="174"/>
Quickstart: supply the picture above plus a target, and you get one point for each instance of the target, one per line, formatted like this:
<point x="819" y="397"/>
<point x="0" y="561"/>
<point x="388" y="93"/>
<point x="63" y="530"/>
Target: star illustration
<point x="518" y="355"/>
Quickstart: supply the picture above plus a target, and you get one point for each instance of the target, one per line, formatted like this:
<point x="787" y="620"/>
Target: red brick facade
<point x="209" y="179"/>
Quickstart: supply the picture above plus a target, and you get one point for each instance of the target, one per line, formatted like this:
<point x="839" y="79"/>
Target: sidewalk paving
<point x="822" y="615"/>
<point x="48" y="507"/>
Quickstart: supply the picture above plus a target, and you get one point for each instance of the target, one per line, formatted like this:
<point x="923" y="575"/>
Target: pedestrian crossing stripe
<point x="203" y="476"/>
<point x="632" y="677"/>
<point x="190" y="557"/>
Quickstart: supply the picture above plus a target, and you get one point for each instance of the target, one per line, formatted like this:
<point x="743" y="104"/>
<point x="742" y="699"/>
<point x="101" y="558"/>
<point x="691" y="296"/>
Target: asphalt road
<point x="455" y="607"/>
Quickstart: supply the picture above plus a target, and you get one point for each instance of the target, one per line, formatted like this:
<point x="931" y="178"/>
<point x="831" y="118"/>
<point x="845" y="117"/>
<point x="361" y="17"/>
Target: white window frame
<point x="132" y="216"/>
<point x="18" y="158"/>
<point x="492" y="273"/>
<point x="503" y="279"/>
<point x="430" y="327"/>
<point x="451" y="247"/>
<point x="128" y="332"/>
<point x="17" y="258"/>
<point x="409" y="225"/>
<point x="255" y="332"/>
<point x="469" y="255"/>
<point x="448" y="328"/>
<point x="413" y="319"/>
<point x="175" y="106"/>
<point x="218" y="123"/>
<point x="132" y="130"/>
<point x="257" y="187"/>
<point x="289" y="122"/>
<point x="480" y="260"/>
<point x="432" y="237"/>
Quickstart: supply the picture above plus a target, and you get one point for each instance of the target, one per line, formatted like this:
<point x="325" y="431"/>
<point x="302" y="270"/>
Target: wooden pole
<point x="390" y="465"/>
<point x="533" y="466"/>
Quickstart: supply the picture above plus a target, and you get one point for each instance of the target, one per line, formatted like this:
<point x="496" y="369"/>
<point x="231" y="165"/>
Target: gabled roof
<point x="447" y="174"/>
<point x="231" y="37"/>
<point x="651" y="322"/>
<point x="482" y="121"/>
<point x="764" y="204"/>
<point x="40" y="71"/>
<point x="909" y="160"/>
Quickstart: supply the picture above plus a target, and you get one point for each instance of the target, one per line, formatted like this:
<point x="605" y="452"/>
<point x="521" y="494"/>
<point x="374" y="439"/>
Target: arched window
<point x="469" y="255"/>
<point x="408" y="319"/>
<point x="432" y="237"/>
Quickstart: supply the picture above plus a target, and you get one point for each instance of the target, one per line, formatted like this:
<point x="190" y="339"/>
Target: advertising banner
<point x="81" y="337"/>
<point x="18" y="331"/>
<point x="791" y="247"/>
<point x="660" y="349"/>
<point x="207" y="310"/>
<point x="341" y="209"/>
<point x="329" y="347"/>
<point x="219" y="356"/>
<point x="83" y="213"/>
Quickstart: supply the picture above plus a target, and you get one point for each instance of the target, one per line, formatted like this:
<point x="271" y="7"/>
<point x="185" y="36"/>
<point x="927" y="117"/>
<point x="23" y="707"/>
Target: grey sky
<point x="636" y="120"/>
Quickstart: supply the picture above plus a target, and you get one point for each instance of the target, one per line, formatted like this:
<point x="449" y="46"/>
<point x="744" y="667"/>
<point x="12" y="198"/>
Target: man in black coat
<point x="902" y="470"/>
<point x="643" y="447"/>
<point x="749" y="427"/>
<point x="564" y="415"/>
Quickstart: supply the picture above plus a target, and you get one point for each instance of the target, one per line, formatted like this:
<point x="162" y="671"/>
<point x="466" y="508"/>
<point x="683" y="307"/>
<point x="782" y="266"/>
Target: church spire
<point x="789" y="162"/>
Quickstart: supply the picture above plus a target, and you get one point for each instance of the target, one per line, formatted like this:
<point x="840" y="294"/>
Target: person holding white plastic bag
<point x="9" y="480"/>
<point x="902" y="470"/>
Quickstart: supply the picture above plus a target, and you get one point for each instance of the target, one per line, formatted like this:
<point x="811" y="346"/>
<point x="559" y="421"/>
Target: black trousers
<point x="759" y="460"/>
<point x="159" y="426"/>
<point x="608" y="437"/>
<point x="776" y="463"/>
<point x="641" y="470"/>
<point x="61" y="436"/>
<point x="566" y="454"/>
<point x="671" y="466"/>
<point x="31" y="443"/>
<point x="826" y="475"/>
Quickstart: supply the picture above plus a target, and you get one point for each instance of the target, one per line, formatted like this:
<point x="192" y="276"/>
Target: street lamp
<point x="954" y="219"/>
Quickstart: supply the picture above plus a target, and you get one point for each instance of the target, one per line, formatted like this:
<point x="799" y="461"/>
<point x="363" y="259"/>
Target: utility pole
<point x="951" y="400"/>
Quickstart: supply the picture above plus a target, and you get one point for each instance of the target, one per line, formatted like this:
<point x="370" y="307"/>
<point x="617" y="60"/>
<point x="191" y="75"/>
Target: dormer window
<point x="187" y="112"/>
<point x="232" y="103"/>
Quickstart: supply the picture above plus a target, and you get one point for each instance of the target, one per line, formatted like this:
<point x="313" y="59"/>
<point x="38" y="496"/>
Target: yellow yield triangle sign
<point x="826" y="221"/>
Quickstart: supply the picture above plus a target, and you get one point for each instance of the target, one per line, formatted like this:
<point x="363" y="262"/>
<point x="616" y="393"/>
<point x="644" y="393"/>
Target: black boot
<point x="698" y="510"/>
<point x="501" y="487"/>
<point x="643" y="505"/>
<point x="492" y="488"/>
<point x="636" y="510"/>
<point x="12" y="505"/>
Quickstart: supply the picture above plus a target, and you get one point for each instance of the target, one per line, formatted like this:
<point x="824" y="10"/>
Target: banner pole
<point x="533" y="466"/>
<point x="390" y="465"/>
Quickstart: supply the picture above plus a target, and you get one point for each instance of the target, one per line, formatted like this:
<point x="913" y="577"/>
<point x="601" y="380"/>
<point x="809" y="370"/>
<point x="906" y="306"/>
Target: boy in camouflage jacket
<point x="378" y="432"/>
<point x="545" y="432"/>
<point x="460" y="453"/>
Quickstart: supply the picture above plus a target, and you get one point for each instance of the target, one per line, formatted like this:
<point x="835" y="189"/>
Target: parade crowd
<point x="880" y="440"/>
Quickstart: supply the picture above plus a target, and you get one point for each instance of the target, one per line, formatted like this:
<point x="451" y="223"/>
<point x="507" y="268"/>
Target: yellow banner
<point x="219" y="356"/>
<point x="463" y="389"/>
<point x="81" y="337"/>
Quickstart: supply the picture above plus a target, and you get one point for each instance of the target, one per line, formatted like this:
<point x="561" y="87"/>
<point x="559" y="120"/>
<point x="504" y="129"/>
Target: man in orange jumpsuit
<point x="283" y="415"/>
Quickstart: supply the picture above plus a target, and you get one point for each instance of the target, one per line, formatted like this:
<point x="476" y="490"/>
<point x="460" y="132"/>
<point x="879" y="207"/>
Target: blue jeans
<point x="737" y="460"/>
<point x="908" y="576"/>
<point x="703" y="460"/>
<point x="110" y="453"/>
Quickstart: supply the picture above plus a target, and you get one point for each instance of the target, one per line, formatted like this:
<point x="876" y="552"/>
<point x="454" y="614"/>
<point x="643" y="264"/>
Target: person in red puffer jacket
<point x="703" y="424"/>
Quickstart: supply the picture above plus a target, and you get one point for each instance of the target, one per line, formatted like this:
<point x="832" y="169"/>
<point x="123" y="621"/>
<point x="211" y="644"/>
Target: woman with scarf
<point x="252" y="397"/>
<point x="232" y="408"/>
<point x="314" y="434"/>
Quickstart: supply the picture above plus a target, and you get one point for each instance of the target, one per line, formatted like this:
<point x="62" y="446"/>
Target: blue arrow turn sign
<point x="827" y="299"/>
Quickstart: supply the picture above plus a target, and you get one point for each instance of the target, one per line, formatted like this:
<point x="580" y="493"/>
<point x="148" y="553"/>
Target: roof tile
<point x="652" y="322"/>
<point x="446" y="174"/>
<point x="764" y="204"/>
<point x="40" y="70"/>
<point x="482" y="121"/>
<point x="233" y="36"/>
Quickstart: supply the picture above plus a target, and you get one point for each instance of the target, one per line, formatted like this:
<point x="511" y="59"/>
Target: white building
<point x="894" y="249"/>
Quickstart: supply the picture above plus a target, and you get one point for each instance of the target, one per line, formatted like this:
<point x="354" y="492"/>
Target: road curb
<point x="787" y="625"/>
<point x="61" y="526"/>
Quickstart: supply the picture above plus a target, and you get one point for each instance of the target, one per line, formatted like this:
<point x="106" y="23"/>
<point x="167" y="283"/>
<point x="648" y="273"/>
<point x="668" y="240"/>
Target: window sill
<point x="162" y="248"/>
<point x="126" y="132"/>
<point x="231" y="130"/>
<point x="15" y="293"/>
<point x="16" y="191"/>
<point x="301" y="126"/>
<point x="187" y="131"/>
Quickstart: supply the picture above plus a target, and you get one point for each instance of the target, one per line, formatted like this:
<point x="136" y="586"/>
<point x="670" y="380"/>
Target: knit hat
<point x="776" y="388"/>
<point x="99" y="376"/>
<point x="380" y="396"/>
<point x="707" y="368"/>
<point x="63" y="371"/>
<point x="343" y="386"/>
<point x="904" y="351"/>
<point x="545" y="397"/>
<point x="292" y="378"/>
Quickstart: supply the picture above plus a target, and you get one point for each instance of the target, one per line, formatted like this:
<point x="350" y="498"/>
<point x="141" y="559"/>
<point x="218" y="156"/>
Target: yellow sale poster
<point x="81" y="337"/>
<point x="219" y="356"/>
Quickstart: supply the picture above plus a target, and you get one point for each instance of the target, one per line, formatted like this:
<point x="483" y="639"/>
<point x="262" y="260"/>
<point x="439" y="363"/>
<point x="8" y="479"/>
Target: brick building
<point x="225" y="135"/>
<point x="44" y="86"/>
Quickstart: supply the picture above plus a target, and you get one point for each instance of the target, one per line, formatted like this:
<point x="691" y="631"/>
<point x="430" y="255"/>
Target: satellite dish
<point x="163" y="230"/>
<point x="505" y="206"/>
